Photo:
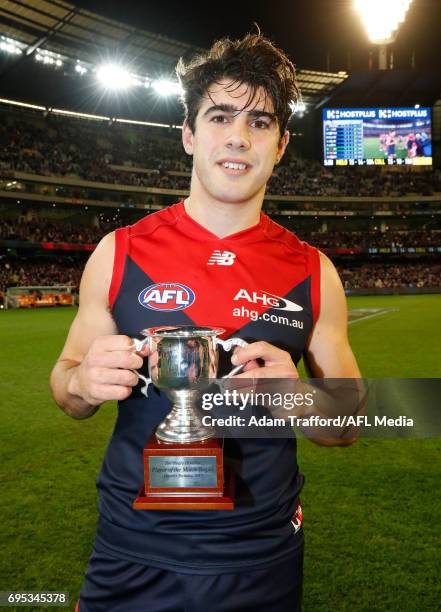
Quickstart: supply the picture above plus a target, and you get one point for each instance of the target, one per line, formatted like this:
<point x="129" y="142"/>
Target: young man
<point x="235" y="269"/>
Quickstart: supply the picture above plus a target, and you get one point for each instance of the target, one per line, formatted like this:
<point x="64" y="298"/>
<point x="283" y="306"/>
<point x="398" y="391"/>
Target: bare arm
<point x="94" y="364"/>
<point x="328" y="354"/>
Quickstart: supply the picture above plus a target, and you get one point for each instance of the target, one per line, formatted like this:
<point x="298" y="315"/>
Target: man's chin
<point x="238" y="197"/>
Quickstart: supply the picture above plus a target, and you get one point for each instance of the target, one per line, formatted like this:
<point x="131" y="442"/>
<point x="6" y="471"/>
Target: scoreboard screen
<point x="377" y="136"/>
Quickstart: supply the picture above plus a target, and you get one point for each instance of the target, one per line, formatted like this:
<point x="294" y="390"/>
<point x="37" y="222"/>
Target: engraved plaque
<point x="183" y="471"/>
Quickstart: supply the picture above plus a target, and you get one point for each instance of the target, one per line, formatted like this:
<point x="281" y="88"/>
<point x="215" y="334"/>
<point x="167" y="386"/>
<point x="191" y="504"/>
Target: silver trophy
<point x="183" y="361"/>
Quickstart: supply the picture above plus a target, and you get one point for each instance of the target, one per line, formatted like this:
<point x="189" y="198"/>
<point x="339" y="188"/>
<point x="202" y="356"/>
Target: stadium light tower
<point x="112" y="76"/>
<point x="165" y="88"/>
<point x="382" y="19"/>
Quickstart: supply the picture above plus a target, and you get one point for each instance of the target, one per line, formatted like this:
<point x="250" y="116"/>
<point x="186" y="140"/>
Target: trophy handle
<point x="227" y="345"/>
<point x="145" y="380"/>
<point x="138" y="346"/>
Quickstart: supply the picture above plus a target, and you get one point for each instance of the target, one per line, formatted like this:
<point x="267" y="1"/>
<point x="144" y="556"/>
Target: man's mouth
<point x="234" y="167"/>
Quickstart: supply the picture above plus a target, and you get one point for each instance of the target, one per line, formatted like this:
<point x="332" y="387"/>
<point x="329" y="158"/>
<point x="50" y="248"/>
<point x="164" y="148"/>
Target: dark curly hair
<point x="252" y="60"/>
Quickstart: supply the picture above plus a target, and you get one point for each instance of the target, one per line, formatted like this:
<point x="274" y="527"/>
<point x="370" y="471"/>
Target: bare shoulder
<point x="328" y="353"/>
<point x="333" y="305"/>
<point x="97" y="275"/>
<point x="93" y="318"/>
<point x="328" y="272"/>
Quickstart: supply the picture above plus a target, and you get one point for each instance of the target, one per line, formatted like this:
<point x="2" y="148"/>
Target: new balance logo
<point x="221" y="258"/>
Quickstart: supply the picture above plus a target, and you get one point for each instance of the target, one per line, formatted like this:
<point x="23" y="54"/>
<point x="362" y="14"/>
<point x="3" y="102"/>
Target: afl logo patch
<point x="167" y="297"/>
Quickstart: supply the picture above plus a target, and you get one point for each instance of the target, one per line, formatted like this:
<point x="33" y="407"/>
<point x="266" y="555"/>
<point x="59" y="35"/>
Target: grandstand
<point x="52" y="166"/>
<point x="75" y="165"/>
<point x="124" y="159"/>
<point x="118" y="163"/>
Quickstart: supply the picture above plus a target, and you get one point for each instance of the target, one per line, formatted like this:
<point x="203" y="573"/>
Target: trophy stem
<point x="183" y="424"/>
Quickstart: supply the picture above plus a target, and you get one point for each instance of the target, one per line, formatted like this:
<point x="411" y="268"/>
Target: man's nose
<point x="238" y="136"/>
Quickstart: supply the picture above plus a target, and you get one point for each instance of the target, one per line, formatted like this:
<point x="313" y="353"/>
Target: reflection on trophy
<point x="183" y="461"/>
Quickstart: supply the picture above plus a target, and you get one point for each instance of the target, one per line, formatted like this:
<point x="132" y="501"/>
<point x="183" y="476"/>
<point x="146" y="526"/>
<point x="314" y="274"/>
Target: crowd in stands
<point x="39" y="230"/>
<point x="379" y="276"/>
<point x="153" y="157"/>
<point x="372" y="275"/>
<point x="148" y="157"/>
<point x="305" y="177"/>
<point x="33" y="273"/>
<point x="66" y="147"/>
<point x="366" y="240"/>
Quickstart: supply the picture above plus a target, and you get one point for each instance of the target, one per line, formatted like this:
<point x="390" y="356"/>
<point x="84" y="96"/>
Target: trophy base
<point x="188" y="502"/>
<point x="185" y="476"/>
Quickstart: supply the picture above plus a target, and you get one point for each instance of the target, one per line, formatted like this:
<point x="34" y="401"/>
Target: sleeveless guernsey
<point x="262" y="283"/>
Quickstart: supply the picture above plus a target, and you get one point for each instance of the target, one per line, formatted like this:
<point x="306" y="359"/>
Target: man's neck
<point x="223" y="219"/>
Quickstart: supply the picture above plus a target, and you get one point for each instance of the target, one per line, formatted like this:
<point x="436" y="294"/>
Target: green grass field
<point x="372" y="510"/>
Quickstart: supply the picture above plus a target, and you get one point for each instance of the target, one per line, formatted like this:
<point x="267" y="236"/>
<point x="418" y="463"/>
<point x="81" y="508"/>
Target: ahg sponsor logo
<point x="166" y="297"/>
<point x="253" y="315"/>
<point x="267" y="300"/>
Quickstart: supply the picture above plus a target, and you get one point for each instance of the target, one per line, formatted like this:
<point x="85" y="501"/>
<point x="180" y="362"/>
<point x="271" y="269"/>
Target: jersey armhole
<point x="119" y="259"/>
<point x="315" y="283"/>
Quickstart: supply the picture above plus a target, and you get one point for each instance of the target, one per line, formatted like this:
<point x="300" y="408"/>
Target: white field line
<point x="373" y="314"/>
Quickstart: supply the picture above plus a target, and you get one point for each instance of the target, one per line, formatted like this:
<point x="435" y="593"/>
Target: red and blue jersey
<point x="262" y="283"/>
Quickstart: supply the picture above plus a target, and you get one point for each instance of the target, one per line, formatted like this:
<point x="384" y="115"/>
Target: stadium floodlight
<point x="9" y="45"/>
<point x="382" y="18"/>
<point x="49" y="58"/>
<point x="80" y="68"/>
<point x="113" y="76"/>
<point x="166" y="88"/>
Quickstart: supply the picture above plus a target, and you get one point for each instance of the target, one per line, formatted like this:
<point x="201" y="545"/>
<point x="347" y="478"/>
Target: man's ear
<point x="283" y="143"/>
<point x="187" y="138"/>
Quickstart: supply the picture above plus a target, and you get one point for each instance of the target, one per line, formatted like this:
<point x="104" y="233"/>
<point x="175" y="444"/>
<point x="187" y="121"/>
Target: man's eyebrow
<point x="229" y="108"/>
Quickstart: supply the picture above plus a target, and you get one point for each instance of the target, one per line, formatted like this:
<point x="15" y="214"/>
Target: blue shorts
<point x="116" y="585"/>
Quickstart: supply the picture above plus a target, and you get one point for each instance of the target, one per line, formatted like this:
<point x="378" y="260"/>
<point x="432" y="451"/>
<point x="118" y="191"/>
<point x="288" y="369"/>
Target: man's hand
<point x="277" y="363"/>
<point x="106" y="373"/>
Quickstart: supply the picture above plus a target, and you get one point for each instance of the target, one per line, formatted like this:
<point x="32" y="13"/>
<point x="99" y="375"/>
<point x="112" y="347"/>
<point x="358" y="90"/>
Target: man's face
<point x="234" y="148"/>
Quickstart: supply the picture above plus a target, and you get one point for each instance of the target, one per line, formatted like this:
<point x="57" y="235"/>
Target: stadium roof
<point x="81" y="35"/>
<point x="75" y="32"/>
<point x="388" y="88"/>
<point x="318" y="86"/>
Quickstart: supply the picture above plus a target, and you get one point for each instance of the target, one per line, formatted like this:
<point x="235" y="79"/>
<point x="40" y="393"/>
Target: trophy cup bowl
<point x="183" y="361"/>
<point x="183" y="461"/>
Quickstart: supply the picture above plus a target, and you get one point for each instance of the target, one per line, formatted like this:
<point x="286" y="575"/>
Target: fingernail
<point x="234" y="359"/>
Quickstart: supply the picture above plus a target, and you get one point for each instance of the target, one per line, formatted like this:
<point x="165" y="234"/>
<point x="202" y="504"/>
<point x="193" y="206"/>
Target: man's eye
<point x="260" y="124"/>
<point x="219" y="119"/>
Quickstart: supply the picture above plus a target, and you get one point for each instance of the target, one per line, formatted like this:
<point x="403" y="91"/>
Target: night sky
<point x="317" y="34"/>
